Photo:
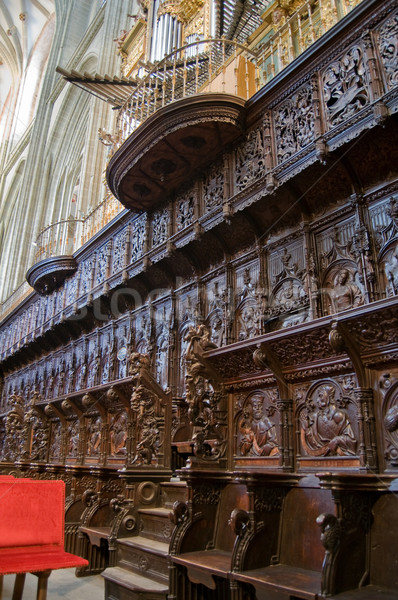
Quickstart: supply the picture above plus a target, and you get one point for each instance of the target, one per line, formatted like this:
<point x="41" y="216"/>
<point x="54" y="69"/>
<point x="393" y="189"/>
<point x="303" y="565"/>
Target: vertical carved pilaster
<point x="367" y="429"/>
<point x="127" y="251"/>
<point x="319" y="126"/>
<point x="285" y="408"/>
<point x="375" y="80"/>
<point x="104" y="442"/>
<point x="269" y="161"/>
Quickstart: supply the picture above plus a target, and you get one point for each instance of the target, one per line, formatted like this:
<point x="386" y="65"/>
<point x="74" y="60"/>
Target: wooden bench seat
<point x="368" y="592"/>
<point x="203" y="564"/>
<point x="277" y="578"/>
<point x="206" y="549"/>
<point x="32" y="519"/>
<point x="296" y="569"/>
<point x="380" y="573"/>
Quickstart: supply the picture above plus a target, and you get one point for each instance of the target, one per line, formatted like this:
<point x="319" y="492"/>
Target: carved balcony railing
<point x="99" y="217"/>
<point x="204" y="66"/>
<point x="57" y="239"/>
<point x="226" y="66"/>
<point x="56" y="244"/>
<point x="14" y="299"/>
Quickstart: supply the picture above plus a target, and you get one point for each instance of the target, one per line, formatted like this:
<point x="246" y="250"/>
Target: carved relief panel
<point x="160" y="227"/>
<point x="387" y="39"/>
<point x="385" y="219"/>
<point x="120" y="257"/>
<point x="138" y="237"/>
<point x="294" y="122"/>
<point x="94" y="362"/>
<point x="87" y="275"/>
<point x="147" y="404"/>
<point x="288" y="302"/>
<point x="93" y="438"/>
<point x="37" y="434"/>
<point x="213" y="187"/>
<point x="185" y="210"/>
<point x="345" y="86"/>
<point x="341" y="268"/>
<point x="56" y="450"/>
<point x="248" y="313"/>
<point x="102" y="264"/>
<point x="14" y="443"/>
<point x="123" y="341"/>
<point x="217" y="318"/>
<point x="257" y="422"/>
<point x="389" y="414"/>
<point x="73" y="432"/>
<point x="143" y="332"/>
<point x="118" y="430"/>
<point x="250" y="160"/>
<point x="327" y="417"/>
<point x="163" y="320"/>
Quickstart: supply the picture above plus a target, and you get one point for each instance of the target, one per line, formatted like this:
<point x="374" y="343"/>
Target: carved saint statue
<point x="391" y="270"/>
<point x="327" y="429"/>
<point x="344" y="294"/>
<point x="258" y="435"/>
<point x="119" y="434"/>
<point x="94" y="440"/>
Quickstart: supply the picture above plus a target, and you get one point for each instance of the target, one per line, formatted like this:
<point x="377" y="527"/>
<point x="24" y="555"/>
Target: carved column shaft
<point x="286" y="432"/>
<point x="367" y="428"/>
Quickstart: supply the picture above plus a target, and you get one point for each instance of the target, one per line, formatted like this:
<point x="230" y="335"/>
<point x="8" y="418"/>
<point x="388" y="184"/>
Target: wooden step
<point x="172" y="491"/>
<point x="125" y="585"/>
<point x="144" y="556"/>
<point x="156" y="524"/>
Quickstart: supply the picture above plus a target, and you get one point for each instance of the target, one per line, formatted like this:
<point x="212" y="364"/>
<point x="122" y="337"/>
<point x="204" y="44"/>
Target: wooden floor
<point x="61" y="584"/>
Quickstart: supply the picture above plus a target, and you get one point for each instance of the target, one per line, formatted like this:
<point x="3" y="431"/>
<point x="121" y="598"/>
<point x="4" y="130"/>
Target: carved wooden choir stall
<point x="217" y="383"/>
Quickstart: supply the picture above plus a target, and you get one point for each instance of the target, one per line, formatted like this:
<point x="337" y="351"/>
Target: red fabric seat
<point x="32" y="523"/>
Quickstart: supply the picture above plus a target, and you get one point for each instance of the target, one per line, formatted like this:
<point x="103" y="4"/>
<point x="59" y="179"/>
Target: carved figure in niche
<point x="391" y="419"/>
<point x="143" y="402"/>
<point x="55" y="449"/>
<point x="14" y="433"/>
<point x="344" y="294"/>
<point x="248" y="322"/>
<point x="258" y="434"/>
<point x="217" y="328"/>
<point x="94" y="439"/>
<point x="40" y="438"/>
<point x="119" y="434"/>
<point x="73" y="433"/>
<point x="327" y="429"/>
<point x="391" y="271"/>
<point x="148" y="447"/>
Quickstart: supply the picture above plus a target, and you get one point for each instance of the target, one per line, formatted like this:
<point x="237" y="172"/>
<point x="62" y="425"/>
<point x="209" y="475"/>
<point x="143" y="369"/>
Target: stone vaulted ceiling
<point x="22" y="37"/>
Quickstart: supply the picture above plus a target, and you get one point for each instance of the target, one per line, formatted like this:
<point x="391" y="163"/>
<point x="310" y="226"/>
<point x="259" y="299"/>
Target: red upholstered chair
<point x="32" y="519"/>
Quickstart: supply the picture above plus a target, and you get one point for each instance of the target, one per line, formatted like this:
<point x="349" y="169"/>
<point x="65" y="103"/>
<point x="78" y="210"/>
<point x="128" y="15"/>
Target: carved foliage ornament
<point x="160" y="222"/>
<point x="388" y="45"/>
<point x="345" y="86"/>
<point x="204" y="400"/>
<point x="14" y="430"/>
<point x="250" y="160"/>
<point x="213" y="188"/>
<point x="294" y="123"/>
<point x="185" y="211"/>
<point x="138" y="238"/>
